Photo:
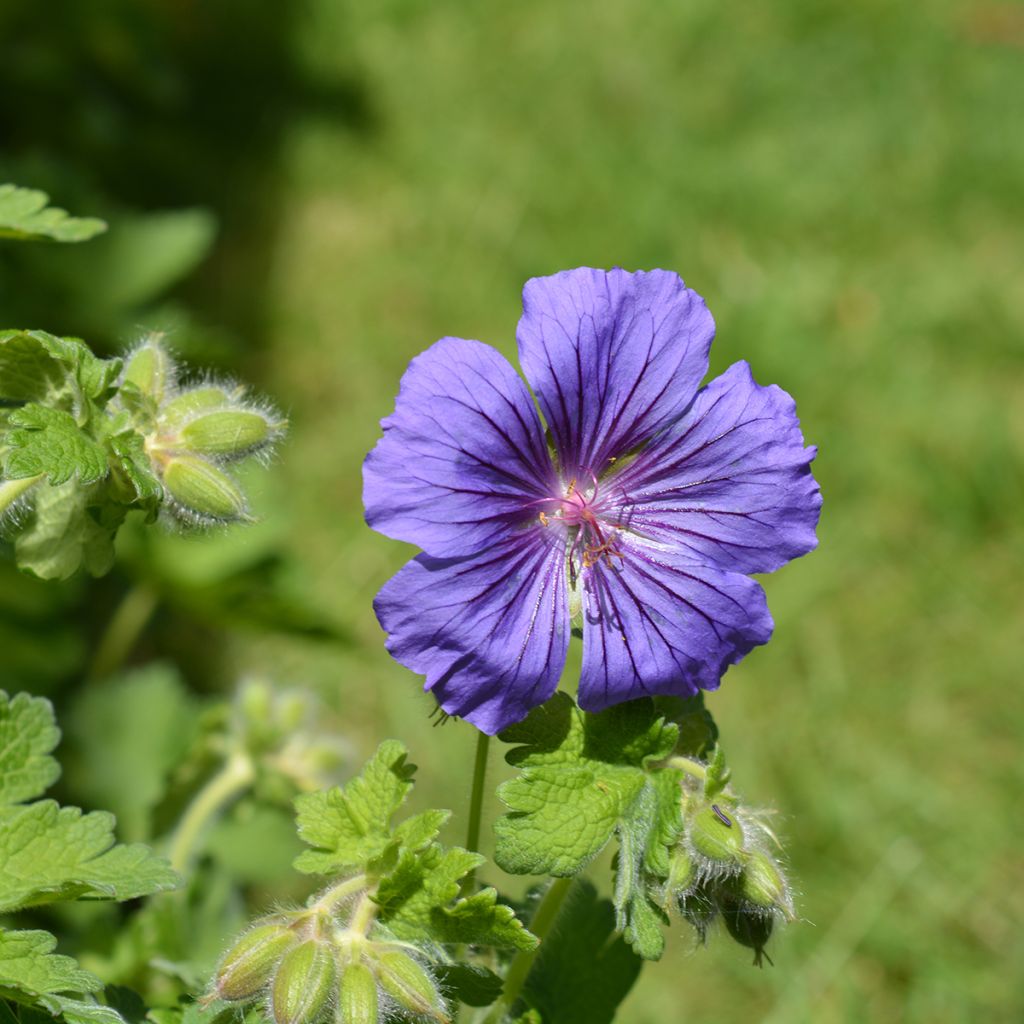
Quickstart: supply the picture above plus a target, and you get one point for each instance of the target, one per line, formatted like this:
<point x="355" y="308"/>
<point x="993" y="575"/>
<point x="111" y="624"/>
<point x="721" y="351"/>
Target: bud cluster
<point x="194" y="433"/>
<point x="308" y="966"/>
<point x="723" y="865"/>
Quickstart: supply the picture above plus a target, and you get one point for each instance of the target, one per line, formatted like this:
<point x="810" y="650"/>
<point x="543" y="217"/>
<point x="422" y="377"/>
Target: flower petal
<point x="462" y="455"/>
<point x="655" y="623"/>
<point x="730" y="483"/>
<point x="612" y="356"/>
<point x="490" y="632"/>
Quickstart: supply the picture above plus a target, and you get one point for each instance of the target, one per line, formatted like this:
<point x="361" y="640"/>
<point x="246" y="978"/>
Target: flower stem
<point x="123" y="630"/>
<point x="687" y="765"/>
<point x="519" y="969"/>
<point x="476" y="803"/>
<point x="230" y="782"/>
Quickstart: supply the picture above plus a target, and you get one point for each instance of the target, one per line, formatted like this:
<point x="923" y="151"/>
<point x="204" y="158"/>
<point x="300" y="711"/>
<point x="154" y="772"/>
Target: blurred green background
<point x="310" y="193"/>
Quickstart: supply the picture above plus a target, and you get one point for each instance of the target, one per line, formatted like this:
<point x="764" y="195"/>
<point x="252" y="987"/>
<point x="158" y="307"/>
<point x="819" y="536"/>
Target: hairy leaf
<point x="24" y="215"/>
<point x="351" y="825"/>
<point x="419" y="902"/>
<point x="49" y="442"/>
<point x="28" y="734"/>
<point x="586" y="778"/>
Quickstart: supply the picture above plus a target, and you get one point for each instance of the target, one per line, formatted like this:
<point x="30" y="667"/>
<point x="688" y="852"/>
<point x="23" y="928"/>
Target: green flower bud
<point x="12" y="491"/>
<point x="410" y="986"/>
<point x="150" y="369"/>
<point x="763" y="885"/>
<point x="230" y="432"/>
<point x="204" y="490"/>
<point x="717" y="836"/>
<point x="192" y="403"/>
<point x="357" y="998"/>
<point x="749" y="926"/>
<point x="248" y="965"/>
<point x="303" y="983"/>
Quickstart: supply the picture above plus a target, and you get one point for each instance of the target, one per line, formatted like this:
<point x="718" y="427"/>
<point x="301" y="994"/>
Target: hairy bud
<point x="357" y="996"/>
<point x="203" y="490"/>
<point x="150" y="369"/>
<point x="718" y="837"/>
<point x="189" y="404"/>
<point x="410" y="986"/>
<point x="762" y="884"/>
<point x="250" y="962"/>
<point x="303" y="983"/>
<point x="230" y="433"/>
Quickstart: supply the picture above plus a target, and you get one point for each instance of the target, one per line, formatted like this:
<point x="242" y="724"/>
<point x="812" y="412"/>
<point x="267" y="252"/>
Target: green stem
<point x="476" y="804"/>
<point x="123" y="630"/>
<point x="342" y="891"/>
<point x="519" y="969"/>
<point x="231" y="781"/>
<point x="688" y="765"/>
<point x="12" y="490"/>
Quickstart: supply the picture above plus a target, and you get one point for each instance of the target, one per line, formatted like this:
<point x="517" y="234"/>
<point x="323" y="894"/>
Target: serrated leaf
<point x="472" y="984"/>
<point x="37" y="366"/>
<point x="585" y="779"/>
<point x="53" y="853"/>
<point x="25" y="215"/>
<point x="70" y="527"/>
<point x="419" y="902"/>
<point x="28" y="733"/>
<point x="49" y="442"/>
<point x="29" y="965"/>
<point x="351" y="825"/>
<point x="582" y="972"/>
<point x="129" y="449"/>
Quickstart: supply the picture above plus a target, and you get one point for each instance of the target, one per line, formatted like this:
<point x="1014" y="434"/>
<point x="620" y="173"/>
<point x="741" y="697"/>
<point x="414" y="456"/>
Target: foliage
<point x="53" y="854"/>
<point x="25" y="215"/>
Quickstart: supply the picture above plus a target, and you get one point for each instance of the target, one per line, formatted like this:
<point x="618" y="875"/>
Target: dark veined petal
<point x="489" y="632"/>
<point x="729" y="484"/>
<point x="612" y="357"/>
<point x="655" y="623"/>
<point x="462" y="455"/>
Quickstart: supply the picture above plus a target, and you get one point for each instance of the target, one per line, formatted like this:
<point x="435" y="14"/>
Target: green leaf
<point x="351" y="825"/>
<point x="49" y="441"/>
<point x="28" y="733"/>
<point x="29" y="965"/>
<point x="586" y="778"/>
<point x="471" y="984"/>
<point x="419" y="902"/>
<point x="582" y="972"/>
<point x="37" y="366"/>
<point x="24" y="215"/>
<point x="129" y="449"/>
<point x="58" y="853"/>
<point x="70" y="528"/>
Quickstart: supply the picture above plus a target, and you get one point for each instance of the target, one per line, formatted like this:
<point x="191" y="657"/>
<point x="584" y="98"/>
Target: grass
<point x="842" y="183"/>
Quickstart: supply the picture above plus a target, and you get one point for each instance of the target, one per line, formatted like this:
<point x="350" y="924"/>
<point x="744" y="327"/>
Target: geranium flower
<point x="638" y="513"/>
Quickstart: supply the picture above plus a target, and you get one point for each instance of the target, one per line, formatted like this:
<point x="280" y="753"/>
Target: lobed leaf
<point x="351" y="825"/>
<point x="49" y="442"/>
<point x="25" y="215"/>
<point x="586" y="779"/>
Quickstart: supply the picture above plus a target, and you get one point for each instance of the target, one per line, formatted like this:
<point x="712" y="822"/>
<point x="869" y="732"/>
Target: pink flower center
<point x="576" y="509"/>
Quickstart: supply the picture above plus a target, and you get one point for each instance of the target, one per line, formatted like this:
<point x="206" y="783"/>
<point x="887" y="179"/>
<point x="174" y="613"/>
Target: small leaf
<point x="472" y="984"/>
<point x="28" y="733"/>
<point x="28" y="964"/>
<point x="49" y="441"/>
<point x="351" y="825"/>
<point x="24" y="215"/>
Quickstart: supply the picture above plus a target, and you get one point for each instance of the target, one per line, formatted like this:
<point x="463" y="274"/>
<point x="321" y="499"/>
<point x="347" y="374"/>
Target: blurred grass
<point x="842" y="182"/>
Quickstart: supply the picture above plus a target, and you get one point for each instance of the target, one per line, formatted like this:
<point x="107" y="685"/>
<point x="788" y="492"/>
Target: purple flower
<point x="639" y="512"/>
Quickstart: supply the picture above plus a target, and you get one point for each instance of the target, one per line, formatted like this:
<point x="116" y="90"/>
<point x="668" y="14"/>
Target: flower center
<point x="591" y="543"/>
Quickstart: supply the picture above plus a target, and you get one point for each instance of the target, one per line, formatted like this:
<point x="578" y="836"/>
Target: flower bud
<point x="357" y="998"/>
<point x="410" y="986"/>
<point x="230" y="432"/>
<point x="204" y="490"/>
<point x="749" y="926"/>
<point x="12" y="491"/>
<point x="763" y="885"/>
<point x="248" y="965"/>
<point x="192" y="403"/>
<point x="303" y="983"/>
<point x="717" y="836"/>
<point x="150" y="369"/>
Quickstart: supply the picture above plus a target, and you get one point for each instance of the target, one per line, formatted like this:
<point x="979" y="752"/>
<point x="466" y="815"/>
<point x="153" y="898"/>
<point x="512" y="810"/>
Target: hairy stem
<point x="688" y="765"/>
<point x="519" y="969"/>
<point x="476" y="803"/>
<point x="231" y="781"/>
<point x="123" y="630"/>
